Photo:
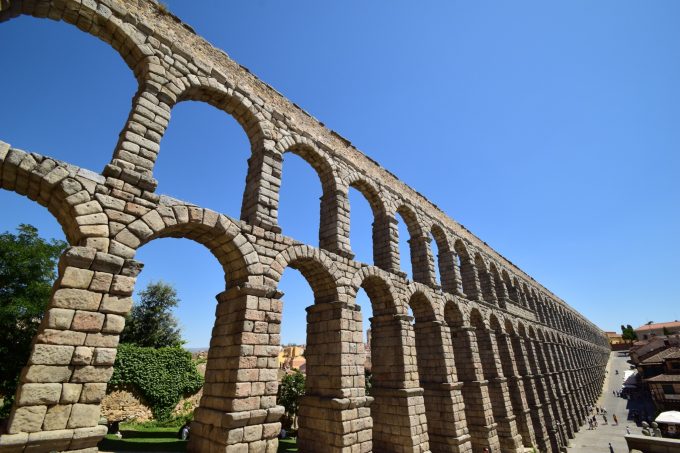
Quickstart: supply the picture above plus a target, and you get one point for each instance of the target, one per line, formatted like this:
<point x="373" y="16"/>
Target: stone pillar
<point x="502" y="295"/>
<point x="139" y="141"/>
<point x="334" y="223"/>
<point x="421" y="260"/>
<point x="572" y="375"/>
<point x="562" y="393"/>
<point x="512" y="292"/>
<point x="398" y="409"/>
<point x="533" y="363"/>
<point x="260" y="203"/>
<point x="510" y="439"/>
<point x="577" y="368"/>
<point x="386" y="244"/>
<point x="334" y="413"/>
<point x="71" y="360"/>
<point x="540" y="310"/>
<point x="533" y="400"/>
<point x="478" y="410"/>
<point x="486" y="283"/>
<point x="521" y="297"/>
<point x="446" y="422"/>
<point x="470" y="278"/>
<point x="559" y="406"/>
<point x="559" y="367"/>
<point x="516" y="389"/>
<point x="449" y="272"/>
<point x="238" y="410"/>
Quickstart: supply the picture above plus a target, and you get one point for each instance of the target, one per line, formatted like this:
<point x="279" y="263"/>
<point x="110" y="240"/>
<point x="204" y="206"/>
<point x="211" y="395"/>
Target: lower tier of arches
<point x="459" y="375"/>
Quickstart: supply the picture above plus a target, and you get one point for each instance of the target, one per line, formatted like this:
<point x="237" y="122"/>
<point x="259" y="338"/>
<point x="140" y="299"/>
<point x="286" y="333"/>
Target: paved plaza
<point x="597" y="440"/>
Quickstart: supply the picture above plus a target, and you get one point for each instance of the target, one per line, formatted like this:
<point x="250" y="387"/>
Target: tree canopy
<point x="291" y="389"/>
<point x="628" y="333"/>
<point x="28" y="266"/>
<point x="151" y="322"/>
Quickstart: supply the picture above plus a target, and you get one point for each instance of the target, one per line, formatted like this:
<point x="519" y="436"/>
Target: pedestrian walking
<point x="627" y="429"/>
<point x="616" y="420"/>
<point x="604" y="417"/>
<point x="611" y="449"/>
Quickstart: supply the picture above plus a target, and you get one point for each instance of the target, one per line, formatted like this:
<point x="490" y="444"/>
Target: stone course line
<point x="489" y="359"/>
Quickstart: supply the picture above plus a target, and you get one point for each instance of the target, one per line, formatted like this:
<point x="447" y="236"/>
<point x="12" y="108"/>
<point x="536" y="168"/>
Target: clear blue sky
<point x="549" y="129"/>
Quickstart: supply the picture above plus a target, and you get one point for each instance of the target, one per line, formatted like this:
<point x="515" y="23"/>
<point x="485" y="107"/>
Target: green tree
<point x="628" y="333"/>
<point x="291" y="390"/>
<point x="151" y="323"/>
<point x="27" y="272"/>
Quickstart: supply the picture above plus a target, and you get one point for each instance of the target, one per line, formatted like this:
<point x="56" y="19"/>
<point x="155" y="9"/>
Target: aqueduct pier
<point x="490" y="358"/>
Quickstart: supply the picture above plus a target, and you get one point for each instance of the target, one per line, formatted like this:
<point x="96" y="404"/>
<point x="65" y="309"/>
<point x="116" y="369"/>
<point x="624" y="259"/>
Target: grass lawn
<point x="144" y="439"/>
<point x="141" y="438"/>
<point x="289" y="444"/>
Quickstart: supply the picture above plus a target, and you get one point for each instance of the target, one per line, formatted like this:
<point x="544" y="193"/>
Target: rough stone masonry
<point x="490" y="358"/>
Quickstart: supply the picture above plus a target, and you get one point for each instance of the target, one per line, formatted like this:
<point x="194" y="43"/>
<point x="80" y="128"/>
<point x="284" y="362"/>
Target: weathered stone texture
<point x="488" y="358"/>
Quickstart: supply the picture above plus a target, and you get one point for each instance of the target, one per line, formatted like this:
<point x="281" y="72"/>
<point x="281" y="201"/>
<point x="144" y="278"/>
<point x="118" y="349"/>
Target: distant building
<point x="615" y="339"/>
<point x="665" y="384"/>
<point x="657" y="360"/>
<point x="292" y="357"/>
<point x="657" y="329"/>
<point x="644" y="348"/>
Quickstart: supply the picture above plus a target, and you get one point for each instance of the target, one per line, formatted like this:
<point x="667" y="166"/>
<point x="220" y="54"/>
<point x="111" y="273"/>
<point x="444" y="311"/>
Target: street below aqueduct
<point x="597" y="440"/>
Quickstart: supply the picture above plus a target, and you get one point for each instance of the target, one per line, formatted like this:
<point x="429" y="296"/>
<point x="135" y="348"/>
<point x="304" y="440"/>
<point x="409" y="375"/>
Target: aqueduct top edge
<point x="338" y="145"/>
<point x="154" y="19"/>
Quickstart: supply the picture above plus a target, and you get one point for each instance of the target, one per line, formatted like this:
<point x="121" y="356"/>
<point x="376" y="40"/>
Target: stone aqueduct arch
<point x="489" y="359"/>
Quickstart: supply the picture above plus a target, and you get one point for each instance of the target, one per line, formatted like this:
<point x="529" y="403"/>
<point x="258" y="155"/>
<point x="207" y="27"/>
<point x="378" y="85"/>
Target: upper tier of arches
<point x="171" y="65"/>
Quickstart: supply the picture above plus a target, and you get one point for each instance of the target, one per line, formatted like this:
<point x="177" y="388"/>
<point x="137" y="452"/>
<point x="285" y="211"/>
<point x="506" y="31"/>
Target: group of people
<point x="594" y="412"/>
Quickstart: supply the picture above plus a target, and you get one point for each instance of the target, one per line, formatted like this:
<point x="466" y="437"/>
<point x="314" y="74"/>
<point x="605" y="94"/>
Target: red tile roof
<point x="659" y="325"/>
<point x="665" y="378"/>
<point x="660" y="356"/>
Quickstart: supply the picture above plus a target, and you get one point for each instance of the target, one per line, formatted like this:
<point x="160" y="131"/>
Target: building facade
<point x="658" y="329"/>
<point x="660" y="371"/>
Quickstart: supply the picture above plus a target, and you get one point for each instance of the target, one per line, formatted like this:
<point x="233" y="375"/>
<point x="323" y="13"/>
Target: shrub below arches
<point x="162" y="376"/>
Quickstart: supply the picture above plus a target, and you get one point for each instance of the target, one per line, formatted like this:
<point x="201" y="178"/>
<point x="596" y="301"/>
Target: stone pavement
<point x="597" y="440"/>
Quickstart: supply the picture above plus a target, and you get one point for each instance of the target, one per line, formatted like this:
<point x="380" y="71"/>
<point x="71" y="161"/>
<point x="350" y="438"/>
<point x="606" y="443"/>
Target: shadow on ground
<point x="160" y="442"/>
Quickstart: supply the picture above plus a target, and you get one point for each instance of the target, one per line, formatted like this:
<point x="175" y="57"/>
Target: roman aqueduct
<point x="489" y="359"/>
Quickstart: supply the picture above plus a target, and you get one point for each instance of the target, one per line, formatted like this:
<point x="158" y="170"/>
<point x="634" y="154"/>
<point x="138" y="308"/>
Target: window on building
<point x="675" y="365"/>
<point x="668" y="389"/>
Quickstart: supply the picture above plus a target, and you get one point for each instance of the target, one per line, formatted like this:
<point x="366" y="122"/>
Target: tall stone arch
<point x="484" y="300"/>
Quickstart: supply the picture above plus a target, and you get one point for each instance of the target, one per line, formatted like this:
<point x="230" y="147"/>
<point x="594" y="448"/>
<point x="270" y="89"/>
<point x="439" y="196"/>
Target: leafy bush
<point x="291" y="390"/>
<point x="27" y="271"/>
<point x="174" y="422"/>
<point x="161" y="375"/>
